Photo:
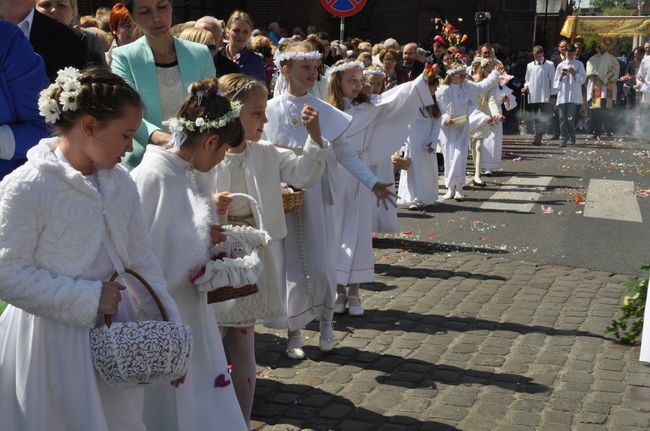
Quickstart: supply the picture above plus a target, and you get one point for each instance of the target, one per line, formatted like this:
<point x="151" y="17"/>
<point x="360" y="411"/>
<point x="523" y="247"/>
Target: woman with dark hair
<point x="390" y="59"/>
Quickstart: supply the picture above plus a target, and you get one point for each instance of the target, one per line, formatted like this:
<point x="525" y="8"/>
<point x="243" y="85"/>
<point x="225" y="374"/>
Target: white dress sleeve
<point x="305" y="170"/>
<point x="349" y="159"/>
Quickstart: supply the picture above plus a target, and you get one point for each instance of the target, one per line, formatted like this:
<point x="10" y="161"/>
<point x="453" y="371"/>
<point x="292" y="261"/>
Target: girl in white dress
<point x="56" y="211"/>
<point x="418" y="185"/>
<point x="488" y="117"/>
<point x="458" y="99"/>
<point x="380" y="125"/>
<point x="181" y="220"/>
<point x="256" y="168"/>
<point x="311" y="243"/>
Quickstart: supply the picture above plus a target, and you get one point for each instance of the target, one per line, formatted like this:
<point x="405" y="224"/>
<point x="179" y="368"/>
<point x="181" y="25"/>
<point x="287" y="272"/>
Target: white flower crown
<point x="375" y="72"/>
<point x="68" y="80"/>
<point x="178" y="126"/>
<point x="345" y="66"/>
<point x="293" y="55"/>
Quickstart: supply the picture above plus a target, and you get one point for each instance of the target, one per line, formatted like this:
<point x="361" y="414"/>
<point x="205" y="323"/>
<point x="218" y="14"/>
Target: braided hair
<point x="102" y="94"/>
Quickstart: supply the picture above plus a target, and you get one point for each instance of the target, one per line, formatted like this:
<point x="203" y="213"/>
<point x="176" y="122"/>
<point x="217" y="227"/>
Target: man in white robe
<point x="602" y="76"/>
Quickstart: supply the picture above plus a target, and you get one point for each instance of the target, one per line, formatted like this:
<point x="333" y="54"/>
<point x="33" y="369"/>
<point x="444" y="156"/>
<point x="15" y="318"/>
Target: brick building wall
<point x="406" y="20"/>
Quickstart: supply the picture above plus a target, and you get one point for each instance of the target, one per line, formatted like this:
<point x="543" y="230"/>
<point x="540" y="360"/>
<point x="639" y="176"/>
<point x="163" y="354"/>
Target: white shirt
<point x="644" y="71"/>
<point x="570" y="87"/>
<point x="539" y="81"/>
<point x="26" y="24"/>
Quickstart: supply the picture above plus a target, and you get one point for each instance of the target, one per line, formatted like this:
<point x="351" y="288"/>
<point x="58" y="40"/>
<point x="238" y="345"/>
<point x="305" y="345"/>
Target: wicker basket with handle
<point x="236" y="266"/>
<point x="292" y="199"/>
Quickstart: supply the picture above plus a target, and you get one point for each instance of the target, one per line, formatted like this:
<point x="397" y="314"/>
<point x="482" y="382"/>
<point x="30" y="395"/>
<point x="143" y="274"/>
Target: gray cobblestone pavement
<point x="461" y="340"/>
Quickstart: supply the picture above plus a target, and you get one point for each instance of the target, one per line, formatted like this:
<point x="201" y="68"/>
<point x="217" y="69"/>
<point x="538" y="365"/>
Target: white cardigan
<point x="266" y="166"/>
<point x="52" y="222"/>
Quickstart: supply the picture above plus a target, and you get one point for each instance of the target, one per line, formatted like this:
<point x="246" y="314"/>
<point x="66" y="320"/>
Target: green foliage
<point x="627" y="328"/>
<point x="2" y="307"/>
<point x="603" y="3"/>
<point x="618" y="11"/>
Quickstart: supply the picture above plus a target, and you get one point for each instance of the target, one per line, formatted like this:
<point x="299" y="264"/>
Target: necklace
<point x="292" y="119"/>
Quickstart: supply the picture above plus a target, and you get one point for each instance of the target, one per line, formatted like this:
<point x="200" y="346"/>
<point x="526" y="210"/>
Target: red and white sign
<point x="343" y="8"/>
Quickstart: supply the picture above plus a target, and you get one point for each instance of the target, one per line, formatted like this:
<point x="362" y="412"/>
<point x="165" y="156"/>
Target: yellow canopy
<point x="606" y="26"/>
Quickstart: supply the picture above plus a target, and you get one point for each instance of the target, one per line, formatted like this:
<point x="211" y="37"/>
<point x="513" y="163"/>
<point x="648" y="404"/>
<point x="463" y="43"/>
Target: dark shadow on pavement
<point x="425" y="247"/>
<point x="437" y="324"/>
<point x="403" y="372"/>
<point x="400" y="271"/>
<point x="309" y="407"/>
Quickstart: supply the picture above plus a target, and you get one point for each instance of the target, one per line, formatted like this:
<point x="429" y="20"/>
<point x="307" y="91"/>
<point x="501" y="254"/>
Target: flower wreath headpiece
<point x="68" y="80"/>
<point x="374" y="72"/>
<point x="178" y="126"/>
<point x="294" y="55"/>
<point x="343" y="67"/>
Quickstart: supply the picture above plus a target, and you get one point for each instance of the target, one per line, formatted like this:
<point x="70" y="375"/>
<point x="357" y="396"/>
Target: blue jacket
<point x="135" y="64"/>
<point x="22" y="77"/>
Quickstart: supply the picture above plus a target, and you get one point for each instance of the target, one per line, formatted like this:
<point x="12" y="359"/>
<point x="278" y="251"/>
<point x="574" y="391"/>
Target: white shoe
<point x="326" y="345"/>
<point x="354" y="306"/>
<point x="459" y="196"/>
<point x="339" y="305"/>
<point x="448" y="195"/>
<point x="295" y="353"/>
<point x="294" y="347"/>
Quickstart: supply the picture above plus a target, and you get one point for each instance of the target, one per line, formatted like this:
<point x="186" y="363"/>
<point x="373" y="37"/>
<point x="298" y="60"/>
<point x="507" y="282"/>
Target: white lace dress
<point x="266" y="303"/>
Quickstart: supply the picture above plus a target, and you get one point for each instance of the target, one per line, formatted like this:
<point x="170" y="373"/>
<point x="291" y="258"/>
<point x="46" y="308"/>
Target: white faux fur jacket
<point x="52" y="222"/>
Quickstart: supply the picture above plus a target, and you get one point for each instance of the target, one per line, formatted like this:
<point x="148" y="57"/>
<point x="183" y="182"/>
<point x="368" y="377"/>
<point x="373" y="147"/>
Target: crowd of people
<point x="126" y="138"/>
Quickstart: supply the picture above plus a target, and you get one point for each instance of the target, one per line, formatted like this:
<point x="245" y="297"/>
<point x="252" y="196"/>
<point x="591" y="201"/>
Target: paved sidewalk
<point x="461" y="340"/>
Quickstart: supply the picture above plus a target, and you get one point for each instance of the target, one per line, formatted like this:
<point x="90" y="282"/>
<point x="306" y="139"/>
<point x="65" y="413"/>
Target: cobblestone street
<point x="454" y="339"/>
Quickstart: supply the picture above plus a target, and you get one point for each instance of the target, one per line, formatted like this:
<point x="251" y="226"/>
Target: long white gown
<point x="52" y="263"/>
<point x="311" y="243"/>
<point x="419" y="183"/>
<point x="179" y="213"/>
<point x="458" y="101"/>
<point x="493" y="143"/>
<point x="378" y="129"/>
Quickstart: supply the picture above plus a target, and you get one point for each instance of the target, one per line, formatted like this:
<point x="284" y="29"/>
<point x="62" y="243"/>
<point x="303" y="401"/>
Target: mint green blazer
<point x="135" y="64"/>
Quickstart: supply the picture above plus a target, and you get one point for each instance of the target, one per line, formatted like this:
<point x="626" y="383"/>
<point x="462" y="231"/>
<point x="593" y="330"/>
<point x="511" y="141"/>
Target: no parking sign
<point x="343" y="8"/>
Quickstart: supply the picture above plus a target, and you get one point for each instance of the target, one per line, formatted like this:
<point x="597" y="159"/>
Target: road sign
<point x="343" y="8"/>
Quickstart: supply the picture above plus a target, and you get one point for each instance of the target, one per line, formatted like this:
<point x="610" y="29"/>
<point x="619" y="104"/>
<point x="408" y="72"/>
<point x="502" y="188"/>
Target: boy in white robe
<point x="311" y="243"/>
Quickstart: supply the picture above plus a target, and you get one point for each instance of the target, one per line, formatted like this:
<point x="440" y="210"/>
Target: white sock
<point x="326" y="330"/>
<point x="295" y="340"/>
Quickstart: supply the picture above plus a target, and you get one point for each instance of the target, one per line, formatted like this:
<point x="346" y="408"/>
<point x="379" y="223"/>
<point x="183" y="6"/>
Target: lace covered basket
<point x="236" y="265"/>
<point x="127" y="354"/>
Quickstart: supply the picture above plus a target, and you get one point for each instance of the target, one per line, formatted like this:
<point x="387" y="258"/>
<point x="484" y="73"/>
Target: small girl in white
<point x="418" y="185"/>
<point x="256" y="168"/>
<point x="458" y="99"/>
<point x="181" y="220"/>
<point x="55" y="213"/>
<point x="380" y="125"/>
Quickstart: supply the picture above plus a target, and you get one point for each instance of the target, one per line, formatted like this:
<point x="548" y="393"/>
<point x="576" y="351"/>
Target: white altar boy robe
<point x="378" y="129"/>
<point x="493" y="143"/>
<point x="311" y="243"/>
<point x="179" y="213"/>
<point x="419" y="183"/>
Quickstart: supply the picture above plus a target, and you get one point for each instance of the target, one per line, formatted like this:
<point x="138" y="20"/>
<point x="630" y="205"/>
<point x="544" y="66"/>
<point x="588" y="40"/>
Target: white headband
<point x="295" y="55"/>
<point x="343" y="67"/>
<point x="376" y="72"/>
